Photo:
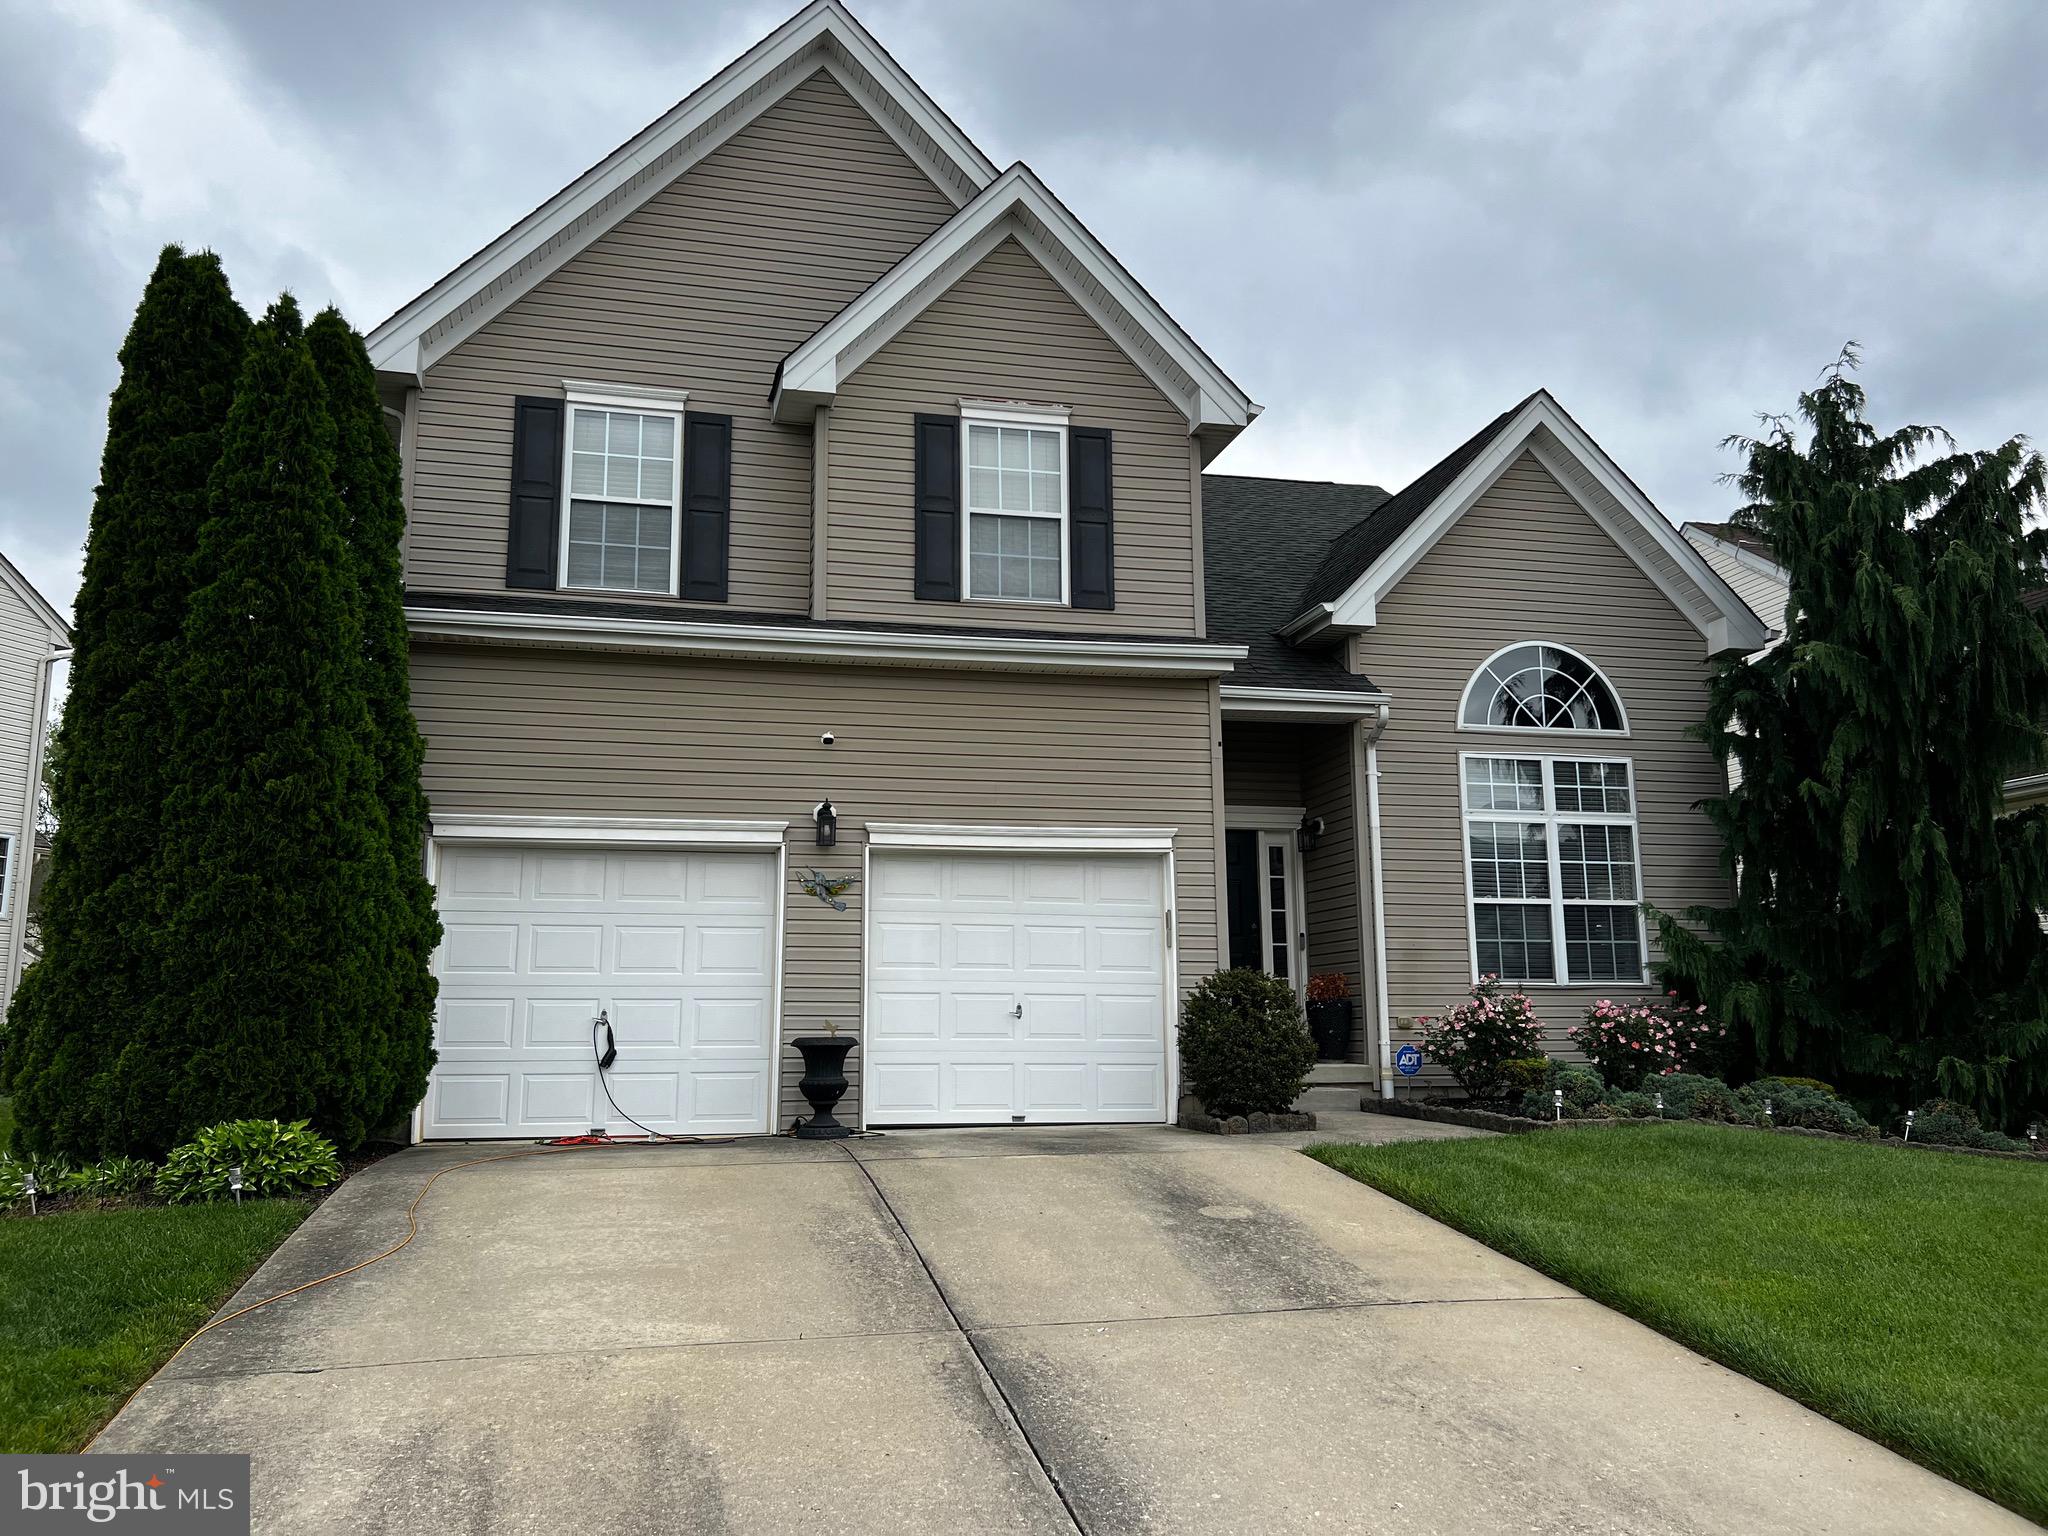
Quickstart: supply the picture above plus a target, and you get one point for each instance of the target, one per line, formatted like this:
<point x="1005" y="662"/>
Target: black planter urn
<point x="1330" y="1023"/>
<point x="823" y="1084"/>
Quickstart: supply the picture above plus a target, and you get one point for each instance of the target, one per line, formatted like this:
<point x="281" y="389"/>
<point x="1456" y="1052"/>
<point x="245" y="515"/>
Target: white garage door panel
<point x="677" y="949"/>
<point x="1004" y="988"/>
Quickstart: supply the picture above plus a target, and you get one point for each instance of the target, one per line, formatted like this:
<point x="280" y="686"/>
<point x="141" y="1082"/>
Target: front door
<point x="1263" y="891"/>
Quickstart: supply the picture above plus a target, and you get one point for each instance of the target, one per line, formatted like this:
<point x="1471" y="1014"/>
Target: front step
<point x="1332" y="1096"/>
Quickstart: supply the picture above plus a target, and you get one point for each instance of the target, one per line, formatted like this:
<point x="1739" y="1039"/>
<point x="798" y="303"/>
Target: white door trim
<point x="608" y="831"/>
<point x="633" y="831"/>
<point x="948" y="838"/>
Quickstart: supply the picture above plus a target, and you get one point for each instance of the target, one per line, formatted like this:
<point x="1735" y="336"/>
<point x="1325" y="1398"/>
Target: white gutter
<point x="1373" y="732"/>
<point x="1248" y="701"/>
<point x="774" y="642"/>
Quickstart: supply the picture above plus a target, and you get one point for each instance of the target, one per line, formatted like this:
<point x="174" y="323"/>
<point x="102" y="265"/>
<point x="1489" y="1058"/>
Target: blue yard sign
<point x="1408" y="1060"/>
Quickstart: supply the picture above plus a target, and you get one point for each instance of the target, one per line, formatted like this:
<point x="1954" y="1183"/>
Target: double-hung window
<point x="1015" y="469"/>
<point x="1550" y="849"/>
<point x="624" y="484"/>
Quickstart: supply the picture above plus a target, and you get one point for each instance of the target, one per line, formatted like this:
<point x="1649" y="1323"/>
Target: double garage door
<point x="1000" y="988"/>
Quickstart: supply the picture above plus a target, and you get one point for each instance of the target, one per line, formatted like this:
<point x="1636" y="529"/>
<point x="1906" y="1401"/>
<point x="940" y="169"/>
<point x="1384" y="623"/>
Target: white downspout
<point x="1373" y="732"/>
<point x="24" y="872"/>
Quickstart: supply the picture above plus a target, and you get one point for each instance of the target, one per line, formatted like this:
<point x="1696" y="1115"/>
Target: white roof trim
<point x="1622" y="511"/>
<point x="1015" y="206"/>
<point x="39" y="605"/>
<point x="1244" y="701"/>
<point x="607" y="831"/>
<point x="820" y="36"/>
<point x="1748" y="559"/>
<point x="1008" y="653"/>
<point x="942" y="838"/>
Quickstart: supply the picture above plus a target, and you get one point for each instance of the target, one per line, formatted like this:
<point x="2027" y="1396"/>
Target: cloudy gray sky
<point x="1386" y="220"/>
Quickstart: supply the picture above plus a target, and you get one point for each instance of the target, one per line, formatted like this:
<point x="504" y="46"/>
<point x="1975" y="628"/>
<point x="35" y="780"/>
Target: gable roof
<point x="1260" y="540"/>
<point x="1365" y="543"/>
<point x="1735" y="536"/>
<point x="1017" y="206"/>
<point x="39" y="605"/>
<point x="1366" y="563"/>
<point x="823" y="35"/>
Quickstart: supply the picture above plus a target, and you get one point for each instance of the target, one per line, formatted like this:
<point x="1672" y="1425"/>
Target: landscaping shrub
<point x="51" y="1177"/>
<point x="1944" y="1123"/>
<point x="1654" y="1037"/>
<point x="1797" y="1082"/>
<point x="276" y="1158"/>
<point x="1476" y="1039"/>
<point x="1584" y="1096"/>
<point x="1525" y="1074"/>
<point x="1631" y="1106"/>
<point x="117" y="1178"/>
<point x="1689" y="1096"/>
<point x="1245" y="1043"/>
<point x="1794" y="1104"/>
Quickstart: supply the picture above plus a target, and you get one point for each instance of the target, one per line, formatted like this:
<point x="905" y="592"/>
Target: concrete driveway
<point x="1105" y="1330"/>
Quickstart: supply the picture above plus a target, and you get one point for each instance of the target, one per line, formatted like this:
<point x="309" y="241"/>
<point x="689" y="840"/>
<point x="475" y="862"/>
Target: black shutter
<point x="1091" y="541"/>
<point x="536" y="492"/>
<point x="707" y="505"/>
<point x="937" y="484"/>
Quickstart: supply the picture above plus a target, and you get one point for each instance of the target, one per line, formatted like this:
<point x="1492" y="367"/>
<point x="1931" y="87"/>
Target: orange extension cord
<point x="412" y="1228"/>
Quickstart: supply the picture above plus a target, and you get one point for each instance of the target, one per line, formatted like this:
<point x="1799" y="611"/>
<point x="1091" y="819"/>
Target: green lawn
<point x="91" y="1302"/>
<point x="1904" y="1294"/>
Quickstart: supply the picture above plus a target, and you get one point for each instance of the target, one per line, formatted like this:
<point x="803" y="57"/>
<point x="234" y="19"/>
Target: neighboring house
<point x="797" y="491"/>
<point x="33" y="639"/>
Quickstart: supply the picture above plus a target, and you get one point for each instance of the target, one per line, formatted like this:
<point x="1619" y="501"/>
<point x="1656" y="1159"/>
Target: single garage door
<point x="1016" y="988"/>
<point x="676" y="949"/>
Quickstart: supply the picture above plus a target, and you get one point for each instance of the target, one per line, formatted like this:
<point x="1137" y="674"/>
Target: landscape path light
<point x="235" y="1181"/>
<point x="28" y="1187"/>
<point x="1909" y="1125"/>
<point x="1557" y="1103"/>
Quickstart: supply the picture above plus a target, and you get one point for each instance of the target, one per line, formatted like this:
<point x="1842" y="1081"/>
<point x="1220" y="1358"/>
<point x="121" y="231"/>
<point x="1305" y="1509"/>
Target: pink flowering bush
<point x="1474" y="1040"/>
<point x="1650" y="1037"/>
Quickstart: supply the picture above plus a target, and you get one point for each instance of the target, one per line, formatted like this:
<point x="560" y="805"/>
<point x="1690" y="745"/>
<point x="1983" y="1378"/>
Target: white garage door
<point x="1015" y="988"/>
<point x="676" y="949"/>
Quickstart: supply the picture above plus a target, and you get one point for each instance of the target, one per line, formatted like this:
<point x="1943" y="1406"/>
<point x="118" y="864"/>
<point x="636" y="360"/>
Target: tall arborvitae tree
<point x="277" y="998"/>
<point x="78" y="1003"/>
<point x="369" y="482"/>
<point x="1884" y="933"/>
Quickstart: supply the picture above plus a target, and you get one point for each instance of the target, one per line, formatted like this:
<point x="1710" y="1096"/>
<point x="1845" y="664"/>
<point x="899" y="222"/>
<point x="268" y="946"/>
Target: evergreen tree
<point x="1884" y="933"/>
<point x="80" y="1001"/>
<point x="369" y="482"/>
<point x="277" y="999"/>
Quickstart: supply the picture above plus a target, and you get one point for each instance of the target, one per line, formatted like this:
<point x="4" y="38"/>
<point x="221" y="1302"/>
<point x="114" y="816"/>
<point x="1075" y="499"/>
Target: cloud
<point x="1387" y="221"/>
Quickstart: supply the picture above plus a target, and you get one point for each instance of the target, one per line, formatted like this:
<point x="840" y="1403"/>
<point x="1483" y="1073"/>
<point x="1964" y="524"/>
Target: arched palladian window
<point x="1539" y="687"/>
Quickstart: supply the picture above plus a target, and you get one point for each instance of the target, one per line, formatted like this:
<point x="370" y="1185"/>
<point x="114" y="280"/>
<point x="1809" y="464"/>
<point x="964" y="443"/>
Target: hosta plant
<point x="276" y="1158"/>
<point x="1475" y="1040"/>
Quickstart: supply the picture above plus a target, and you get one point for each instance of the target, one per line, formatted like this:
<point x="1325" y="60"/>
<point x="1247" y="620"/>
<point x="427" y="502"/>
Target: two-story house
<point x="798" y="496"/>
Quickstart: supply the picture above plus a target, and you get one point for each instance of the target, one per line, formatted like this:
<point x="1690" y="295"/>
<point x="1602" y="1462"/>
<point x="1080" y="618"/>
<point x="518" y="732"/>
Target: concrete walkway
<point x="1106" y="1330"/>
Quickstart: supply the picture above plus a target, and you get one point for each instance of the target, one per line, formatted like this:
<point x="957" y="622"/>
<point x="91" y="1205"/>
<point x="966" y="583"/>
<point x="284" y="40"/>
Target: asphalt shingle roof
<point x="1261" y="539"/>
<point x="1741" y="538"/>
<point x="1351" y="554"/>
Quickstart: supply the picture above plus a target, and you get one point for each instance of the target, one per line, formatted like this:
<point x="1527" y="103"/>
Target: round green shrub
<point x="1630" y="1106"/>
<point x="1583" y="1088"/>
<point x="1245" y="1044"/>
<point x="1794" y="1104"/>
<point x="1813" y="1083"/>
<point x="276" y="1158"/>
<point x="1525" y="1074"/>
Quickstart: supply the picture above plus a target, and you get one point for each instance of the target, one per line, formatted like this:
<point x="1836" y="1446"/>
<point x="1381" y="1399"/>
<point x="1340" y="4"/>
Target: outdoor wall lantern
<point x="1308" y="833"/>
<point x="828" y="824"/>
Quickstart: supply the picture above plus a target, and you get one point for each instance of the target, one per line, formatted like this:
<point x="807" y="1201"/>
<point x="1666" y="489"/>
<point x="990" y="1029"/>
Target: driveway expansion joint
<point x="1319" y="1307"/>
<point x="981" y="1363"/>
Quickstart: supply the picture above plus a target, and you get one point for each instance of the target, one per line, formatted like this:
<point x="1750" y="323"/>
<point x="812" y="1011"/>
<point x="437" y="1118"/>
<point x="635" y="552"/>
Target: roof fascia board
<point x="816" y="644"/>
<point x="812" y="372"/>
<point x="39" y="605"/>
<point x="1711" y="605"/>
<point x="1748" y="559"/>
<point x="803" y="38"/>
<point x="1243" y="701"/>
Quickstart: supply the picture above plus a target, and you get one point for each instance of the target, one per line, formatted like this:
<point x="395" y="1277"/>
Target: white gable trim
<point x="821" y="36"/>
<point x="1015" y="206"/>
<point x="1748" y="559"/>
<point x="60" y="632"/>
<point x="1602" y="491"/>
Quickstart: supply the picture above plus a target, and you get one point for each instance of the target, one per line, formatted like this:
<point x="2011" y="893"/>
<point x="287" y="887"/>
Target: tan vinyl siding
<point x="1526" y="563"/>
<point x="1261" y="764"/>
<point x="704" y="288"/>
<point x="1006" y="330"/>
<point x="1331" y="891"/>
<point x="562" y="733"/>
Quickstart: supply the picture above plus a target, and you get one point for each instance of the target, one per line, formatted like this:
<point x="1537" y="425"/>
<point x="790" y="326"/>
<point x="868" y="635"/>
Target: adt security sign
<point x="1408" y="1060"/>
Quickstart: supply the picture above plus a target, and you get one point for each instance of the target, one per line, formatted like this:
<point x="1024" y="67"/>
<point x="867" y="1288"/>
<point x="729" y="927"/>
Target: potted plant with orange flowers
<point x="1329" y="1014"/>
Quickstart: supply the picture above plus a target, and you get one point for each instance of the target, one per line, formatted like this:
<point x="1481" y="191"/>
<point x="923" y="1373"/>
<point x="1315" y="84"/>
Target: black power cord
<point x="605" y="1058"/>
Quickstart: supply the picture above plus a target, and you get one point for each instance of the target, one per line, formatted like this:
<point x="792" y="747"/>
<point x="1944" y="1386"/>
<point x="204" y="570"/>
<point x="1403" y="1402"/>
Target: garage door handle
<point x="1017" y="1012"/>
